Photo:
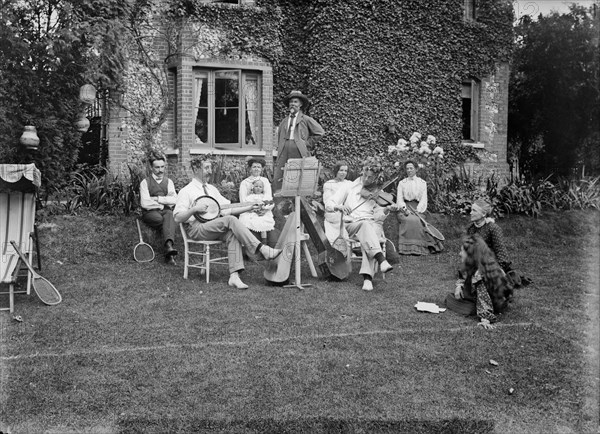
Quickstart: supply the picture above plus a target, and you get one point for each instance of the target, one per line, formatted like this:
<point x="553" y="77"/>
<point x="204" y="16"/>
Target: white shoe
<point x="385" y="267"/>
<point x="269" y="252"/>
<point x="367" y="285"/>
<point x="236" y="282"/>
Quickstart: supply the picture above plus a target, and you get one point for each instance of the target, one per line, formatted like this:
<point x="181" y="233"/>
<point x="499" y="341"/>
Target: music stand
<point x="300" y="178"/>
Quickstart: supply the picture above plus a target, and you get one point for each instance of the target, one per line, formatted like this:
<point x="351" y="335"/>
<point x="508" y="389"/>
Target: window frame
<point x="473" y="86"/>
<point x="470" y="10"/>
<point x="245" y="76"/>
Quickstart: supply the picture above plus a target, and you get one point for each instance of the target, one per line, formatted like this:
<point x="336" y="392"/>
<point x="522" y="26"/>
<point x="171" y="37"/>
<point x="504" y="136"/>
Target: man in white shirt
<point x="226" y="228"/>
<point x="359" y="215"/>
<point x="157" y="199"/>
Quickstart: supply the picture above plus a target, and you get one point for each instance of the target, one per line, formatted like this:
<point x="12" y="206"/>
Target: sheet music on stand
<point x="300" y="177"/>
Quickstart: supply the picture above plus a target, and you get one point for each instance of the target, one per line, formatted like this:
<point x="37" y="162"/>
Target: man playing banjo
<point x="194" y="201"/>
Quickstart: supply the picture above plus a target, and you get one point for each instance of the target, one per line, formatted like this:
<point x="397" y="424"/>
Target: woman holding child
<point x="485" y="226"/>
<point x="257" y="188"/>
<point x="486" y="291"/>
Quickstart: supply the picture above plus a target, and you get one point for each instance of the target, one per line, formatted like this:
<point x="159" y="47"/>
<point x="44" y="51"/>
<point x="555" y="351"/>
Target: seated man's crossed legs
<point x="235" y="235"/>
<point x="365" y="232"/>
<point x="163" y="220"/>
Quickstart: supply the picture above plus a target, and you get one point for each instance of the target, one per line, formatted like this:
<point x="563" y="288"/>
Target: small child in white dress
<point x="261" y="220"/>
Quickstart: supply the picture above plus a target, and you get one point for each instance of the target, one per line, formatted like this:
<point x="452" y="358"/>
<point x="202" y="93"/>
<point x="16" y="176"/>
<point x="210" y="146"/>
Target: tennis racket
<point x="429" y="228"/>
<point x="142" y="252"/>
<point x="42" y="287"/>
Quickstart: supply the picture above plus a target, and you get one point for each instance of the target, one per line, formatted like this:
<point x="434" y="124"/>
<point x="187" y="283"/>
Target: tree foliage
<point x="47" y="52"/>
<point x="554" y="93"/>
<point x="49" y="48"/>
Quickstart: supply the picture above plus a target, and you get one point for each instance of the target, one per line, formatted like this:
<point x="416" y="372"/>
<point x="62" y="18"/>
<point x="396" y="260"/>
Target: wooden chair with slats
<point x="197" y="254"/>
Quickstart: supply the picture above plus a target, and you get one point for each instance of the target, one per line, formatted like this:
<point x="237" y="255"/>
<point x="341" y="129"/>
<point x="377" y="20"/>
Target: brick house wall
<point x="177" y="134"/>
<point x="493" y="123"/>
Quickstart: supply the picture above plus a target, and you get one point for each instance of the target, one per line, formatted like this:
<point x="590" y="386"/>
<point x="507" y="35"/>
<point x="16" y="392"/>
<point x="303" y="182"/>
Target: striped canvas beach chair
<point x="18" y="184"/>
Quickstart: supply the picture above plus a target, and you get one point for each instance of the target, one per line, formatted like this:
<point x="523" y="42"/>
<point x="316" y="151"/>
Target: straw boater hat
<point x="300" y="96"/>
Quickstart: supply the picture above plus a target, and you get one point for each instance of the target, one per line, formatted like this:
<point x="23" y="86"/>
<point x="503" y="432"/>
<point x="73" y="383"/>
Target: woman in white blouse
<point x="332" y="219"/>
<point x="412" y="238"/>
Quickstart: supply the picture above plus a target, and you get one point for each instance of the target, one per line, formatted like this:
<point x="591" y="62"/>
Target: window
<point x="470" y="110"/>
<point x="470" y="10"/>
<point x="227" y="109"/>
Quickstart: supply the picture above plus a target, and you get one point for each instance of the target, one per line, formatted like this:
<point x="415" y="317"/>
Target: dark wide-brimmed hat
<point x="300" y="96"/>
<point x="258" y="160"/>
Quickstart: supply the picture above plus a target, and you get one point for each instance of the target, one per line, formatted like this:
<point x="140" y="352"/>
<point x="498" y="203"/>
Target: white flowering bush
<point x="425" y="153"/>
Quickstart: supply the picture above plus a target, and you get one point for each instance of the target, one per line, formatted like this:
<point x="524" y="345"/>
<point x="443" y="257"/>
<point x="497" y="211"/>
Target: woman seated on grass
<point x="486" y="227"/>
<point x="486" y="291"/>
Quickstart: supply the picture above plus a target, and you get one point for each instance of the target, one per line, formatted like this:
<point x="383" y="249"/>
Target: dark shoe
<point x="170" y="251"/>
<point x="170" y="260"/>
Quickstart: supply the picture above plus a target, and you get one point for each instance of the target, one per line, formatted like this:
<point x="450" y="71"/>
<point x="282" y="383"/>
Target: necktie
<point x="291" y="128"/>
<point x="205" y="189"/>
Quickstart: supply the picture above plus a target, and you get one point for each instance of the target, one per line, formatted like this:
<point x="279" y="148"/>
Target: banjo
<point x="214" y="209"/>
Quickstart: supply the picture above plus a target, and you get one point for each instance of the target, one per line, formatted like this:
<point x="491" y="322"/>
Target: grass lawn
<point x="136" y="348"/>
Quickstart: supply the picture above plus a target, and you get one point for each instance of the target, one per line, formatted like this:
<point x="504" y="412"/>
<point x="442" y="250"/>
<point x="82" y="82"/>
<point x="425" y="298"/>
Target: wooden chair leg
<point x="311" y="264"/>
<point x="207" y="262"/>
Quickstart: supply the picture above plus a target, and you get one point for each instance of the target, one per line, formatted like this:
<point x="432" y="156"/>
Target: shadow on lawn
<point x="309" y="425"/>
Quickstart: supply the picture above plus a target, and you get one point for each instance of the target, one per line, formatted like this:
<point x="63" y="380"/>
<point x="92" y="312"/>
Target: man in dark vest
<point x="157" y="199"/>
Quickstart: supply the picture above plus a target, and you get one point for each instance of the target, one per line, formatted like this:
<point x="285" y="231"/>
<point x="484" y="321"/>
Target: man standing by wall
<point x="298" y="134"/>
<point x="157" y="199"/>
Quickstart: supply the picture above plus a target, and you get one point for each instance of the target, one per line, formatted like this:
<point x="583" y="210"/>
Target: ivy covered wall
<point x="366" y="64"/>
<point x="370" y="63"/>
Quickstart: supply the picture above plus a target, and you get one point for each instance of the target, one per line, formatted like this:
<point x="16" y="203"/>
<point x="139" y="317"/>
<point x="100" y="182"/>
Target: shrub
<point x="93" y="188"/>
<point x="227" y="176"/>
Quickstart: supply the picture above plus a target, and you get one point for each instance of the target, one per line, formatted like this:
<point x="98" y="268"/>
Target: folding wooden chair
<point x="197" y="254"/>
<point x="18" y="183"/>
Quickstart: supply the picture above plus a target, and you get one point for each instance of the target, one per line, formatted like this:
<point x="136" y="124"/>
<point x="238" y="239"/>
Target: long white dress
<point x="332" y="219"/>
<point x="255" y="222"/>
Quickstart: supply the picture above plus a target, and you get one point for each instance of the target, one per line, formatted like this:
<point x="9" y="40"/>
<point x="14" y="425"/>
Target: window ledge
<point x="476" y="145"/>
<point x="234" y="152"/>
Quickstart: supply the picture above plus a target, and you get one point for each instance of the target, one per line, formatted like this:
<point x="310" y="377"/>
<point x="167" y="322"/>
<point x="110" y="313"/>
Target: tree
<point x="49" y="48"/>
<point x="554" y="93"/>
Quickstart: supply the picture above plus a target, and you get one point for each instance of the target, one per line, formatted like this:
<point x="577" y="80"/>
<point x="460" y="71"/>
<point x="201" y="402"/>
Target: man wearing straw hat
<point x="298" y="134"/>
